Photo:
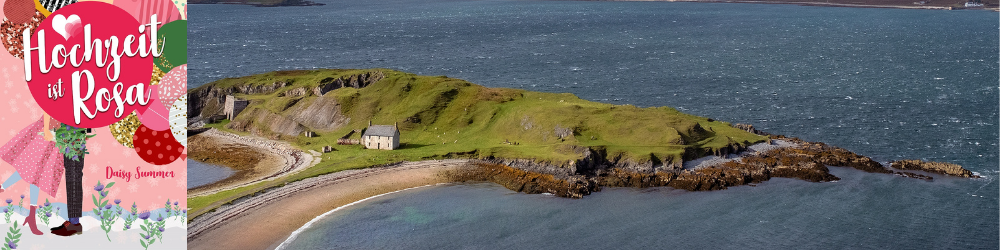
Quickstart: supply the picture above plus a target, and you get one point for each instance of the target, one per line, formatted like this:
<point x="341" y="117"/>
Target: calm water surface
<point x="887" y="83"/>
<point x="200" y="173"/>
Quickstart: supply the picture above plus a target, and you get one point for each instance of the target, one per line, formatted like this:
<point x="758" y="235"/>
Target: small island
<point x="296" y="139"/>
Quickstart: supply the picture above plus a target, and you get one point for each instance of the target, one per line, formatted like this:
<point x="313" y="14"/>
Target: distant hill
<point x="259" y="3"/>
<point x="914" y="4"/>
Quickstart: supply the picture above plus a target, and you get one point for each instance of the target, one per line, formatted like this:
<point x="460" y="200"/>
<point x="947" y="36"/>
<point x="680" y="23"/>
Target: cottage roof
<point x="380" y="130"/>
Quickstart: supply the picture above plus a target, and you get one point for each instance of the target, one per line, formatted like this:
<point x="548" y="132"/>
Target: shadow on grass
<point x="412" y="145"/>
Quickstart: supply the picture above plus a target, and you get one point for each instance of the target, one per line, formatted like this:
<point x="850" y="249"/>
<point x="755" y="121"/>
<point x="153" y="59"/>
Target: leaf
<point x="143" y="227"/>
<point x="109" y="185"/>
<point x="95" y="199"/>
<point x="143" y="243"/>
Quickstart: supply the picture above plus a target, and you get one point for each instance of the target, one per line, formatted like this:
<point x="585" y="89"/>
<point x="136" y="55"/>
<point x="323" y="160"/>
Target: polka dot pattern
<point x="37" y="160"/>
<point x="156" y="147"/>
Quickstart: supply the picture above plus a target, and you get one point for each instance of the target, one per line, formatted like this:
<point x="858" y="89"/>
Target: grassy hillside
<point x="441" y="117"/>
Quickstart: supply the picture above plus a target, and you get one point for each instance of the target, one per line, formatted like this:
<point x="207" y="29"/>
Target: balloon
<point x="65" y="28"/>
<point x="178" y="120"/>
<point x="124" y="130"/>
<point x="142" y="10"/>
<point x="173" y="38"/>
<point x="19" y="11"/>
<point x="173" y="85"/>
<point x="156" y="147"/>
<point x="53" y="5"/>
<point x="11" y="34"/>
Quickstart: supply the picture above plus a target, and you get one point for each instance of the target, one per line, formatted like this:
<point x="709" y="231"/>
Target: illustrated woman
<point x="37" y="161"/>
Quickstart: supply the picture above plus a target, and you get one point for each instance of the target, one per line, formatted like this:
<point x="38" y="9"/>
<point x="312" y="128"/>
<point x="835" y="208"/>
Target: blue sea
<point x="886" y="83"/>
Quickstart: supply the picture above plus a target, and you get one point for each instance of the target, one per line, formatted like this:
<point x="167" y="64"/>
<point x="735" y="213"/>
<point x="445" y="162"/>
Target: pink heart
<point x="73" y="28"/>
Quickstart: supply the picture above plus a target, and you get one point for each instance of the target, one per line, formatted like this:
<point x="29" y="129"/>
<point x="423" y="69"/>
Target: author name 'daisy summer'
<point x="139" y="174"/>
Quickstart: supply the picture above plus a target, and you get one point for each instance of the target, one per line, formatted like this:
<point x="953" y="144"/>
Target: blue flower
<point x="108" y="206"/>
<point x="9" y="201"/>
<point x="46" y="204"/>
<point x="5" y="210"/>
<point x="160" y="218"/>
<point x="98" y="187"/>
<point x="133" y="205"/>
<point x="144" y="215"/>
<point x="104" y="194"/>
<point x="118" y="201"/>
<point x="146" y="236"/>
<point x="11" y="245"/>
<point x="48" y="214"/>
<point x="175" y="203"/>
<point x="127" y="227"/>
<point x="160" y="228"/>
<point x="22" y="196"/>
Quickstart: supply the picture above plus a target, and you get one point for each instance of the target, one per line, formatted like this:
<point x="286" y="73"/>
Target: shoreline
<point x="271" y="159"/>
<point x="309" y="224"/>
<point x="268" y="219"/>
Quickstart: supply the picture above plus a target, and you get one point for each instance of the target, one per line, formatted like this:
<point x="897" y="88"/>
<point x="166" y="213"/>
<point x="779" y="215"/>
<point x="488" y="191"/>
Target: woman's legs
<point x="11" y="180"/>
<point x="14" y="179"/>
<point x="34" y="194"/>
<point x="30" y="220"/>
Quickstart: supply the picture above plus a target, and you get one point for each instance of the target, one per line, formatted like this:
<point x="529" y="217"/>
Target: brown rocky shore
<point x="803" y="160"/>
<point x="933" y="167"/>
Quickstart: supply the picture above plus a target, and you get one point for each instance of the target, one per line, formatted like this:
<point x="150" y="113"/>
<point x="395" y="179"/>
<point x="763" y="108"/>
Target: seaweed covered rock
<point x="933" y="167"/>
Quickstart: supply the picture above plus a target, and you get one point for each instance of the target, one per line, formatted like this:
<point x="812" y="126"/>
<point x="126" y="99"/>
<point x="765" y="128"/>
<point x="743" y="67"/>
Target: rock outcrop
<point x="309" y="109"/>
<point x="805" y="160"/>
<point x="933" y="167"/>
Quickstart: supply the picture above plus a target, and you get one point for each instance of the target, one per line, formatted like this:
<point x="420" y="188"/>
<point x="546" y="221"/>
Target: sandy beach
<point x="253" y="159"/>
<point x="266" y="220"/>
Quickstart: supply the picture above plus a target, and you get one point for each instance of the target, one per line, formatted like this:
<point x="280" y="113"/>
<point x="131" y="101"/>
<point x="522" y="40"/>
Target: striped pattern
<point x="165" y="11"/>
<point x="53" y="5"/>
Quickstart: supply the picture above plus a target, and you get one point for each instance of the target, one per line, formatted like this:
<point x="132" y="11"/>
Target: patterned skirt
<point x="37" y="160"/>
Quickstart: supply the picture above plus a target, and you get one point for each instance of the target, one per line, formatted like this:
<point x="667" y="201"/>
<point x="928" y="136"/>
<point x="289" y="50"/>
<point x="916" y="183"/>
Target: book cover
<point x="92" y="128"/>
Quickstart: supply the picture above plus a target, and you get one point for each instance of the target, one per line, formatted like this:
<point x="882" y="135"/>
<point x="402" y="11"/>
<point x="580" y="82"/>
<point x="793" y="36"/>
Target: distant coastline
<point x="260" y="3"/>
<point x="893" y="4"/>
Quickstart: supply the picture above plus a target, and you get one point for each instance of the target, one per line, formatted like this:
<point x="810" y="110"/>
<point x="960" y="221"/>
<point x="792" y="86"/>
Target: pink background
<point x="18" y="109"/>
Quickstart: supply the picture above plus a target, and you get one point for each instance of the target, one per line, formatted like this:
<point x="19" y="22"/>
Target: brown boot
<point x="68" y="229"/>
<point x="30" y="220"/>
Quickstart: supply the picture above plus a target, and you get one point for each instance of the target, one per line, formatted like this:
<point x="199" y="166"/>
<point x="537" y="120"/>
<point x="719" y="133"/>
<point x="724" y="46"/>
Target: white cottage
<point x="380" y="137"/>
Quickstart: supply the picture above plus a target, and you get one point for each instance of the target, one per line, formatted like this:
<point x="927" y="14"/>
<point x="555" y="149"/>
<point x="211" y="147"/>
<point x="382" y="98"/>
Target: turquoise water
<point x="863" y="211"/>
<point x="887" y="83"/>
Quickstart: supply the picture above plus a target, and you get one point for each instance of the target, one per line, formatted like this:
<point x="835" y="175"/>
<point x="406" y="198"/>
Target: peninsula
<point x="293" y="136"/>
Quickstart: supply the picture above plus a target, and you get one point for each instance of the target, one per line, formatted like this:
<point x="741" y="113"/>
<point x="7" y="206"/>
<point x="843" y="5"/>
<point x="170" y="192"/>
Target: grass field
<point x="441" y="117"/>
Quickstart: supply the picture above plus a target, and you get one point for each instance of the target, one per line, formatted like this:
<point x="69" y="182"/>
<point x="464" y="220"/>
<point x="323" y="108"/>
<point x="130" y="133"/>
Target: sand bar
<point x="266" y="220"/>
<point x="254" y="159"/>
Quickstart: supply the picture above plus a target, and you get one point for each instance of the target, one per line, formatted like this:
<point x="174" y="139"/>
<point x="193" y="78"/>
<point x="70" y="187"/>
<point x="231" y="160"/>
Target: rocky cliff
<point x="304" y="106"/>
